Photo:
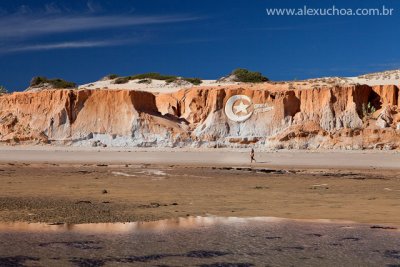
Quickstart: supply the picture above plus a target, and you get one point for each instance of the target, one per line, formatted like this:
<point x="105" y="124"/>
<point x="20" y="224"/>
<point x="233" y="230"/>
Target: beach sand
<point x="71" y="185"/>
<point x="203" y="157"/>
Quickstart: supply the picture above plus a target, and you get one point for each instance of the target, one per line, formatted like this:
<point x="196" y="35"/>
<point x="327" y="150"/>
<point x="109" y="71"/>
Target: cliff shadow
<point x="374" y="100"/>
<point x="291" y="104"/>
<point x="145" y="102"/>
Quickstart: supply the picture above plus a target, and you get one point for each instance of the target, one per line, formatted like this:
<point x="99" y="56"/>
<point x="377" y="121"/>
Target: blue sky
<point x="82" y="41"/>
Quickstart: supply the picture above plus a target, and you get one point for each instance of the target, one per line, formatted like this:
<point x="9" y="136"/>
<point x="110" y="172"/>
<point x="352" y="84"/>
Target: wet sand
<point x="85" y="193"/>
<point x="200" y="241"/>
<point x="74" y="192"/>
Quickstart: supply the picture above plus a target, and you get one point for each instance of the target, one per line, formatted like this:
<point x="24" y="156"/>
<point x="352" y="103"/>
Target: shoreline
<point x="288" y="159"/>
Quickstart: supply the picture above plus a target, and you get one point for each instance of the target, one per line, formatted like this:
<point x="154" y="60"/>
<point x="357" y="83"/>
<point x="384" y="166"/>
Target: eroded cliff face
<point x="352" y="117"/>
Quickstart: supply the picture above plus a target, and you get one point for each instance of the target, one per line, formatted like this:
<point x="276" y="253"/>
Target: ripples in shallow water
<point x="201" y="241"/>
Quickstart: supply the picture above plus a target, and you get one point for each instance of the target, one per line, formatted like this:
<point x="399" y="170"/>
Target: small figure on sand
<point x="50" y="131"/>
<point x="252" y="156"/>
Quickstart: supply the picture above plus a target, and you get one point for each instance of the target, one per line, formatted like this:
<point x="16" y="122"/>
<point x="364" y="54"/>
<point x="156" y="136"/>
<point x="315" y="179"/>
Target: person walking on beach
<point x="50" y="132"/>
<point x="252" y="156"/>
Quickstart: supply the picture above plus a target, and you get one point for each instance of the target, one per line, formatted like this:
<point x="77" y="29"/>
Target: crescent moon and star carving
<point x="240" y="108"/>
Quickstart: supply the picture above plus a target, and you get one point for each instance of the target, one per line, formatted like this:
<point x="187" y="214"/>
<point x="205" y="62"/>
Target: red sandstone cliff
<point x="351" y="117"/>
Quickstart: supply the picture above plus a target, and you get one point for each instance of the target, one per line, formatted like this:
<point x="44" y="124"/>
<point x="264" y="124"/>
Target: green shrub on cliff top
<point x="194" y="81"/>
<point x="112" y="76"/>
<point x="153" y="75"/>
<point x="38" y="80"/>
<point x="60" y="83"/>
<point x="121" y="80"/>
<point x="3" y="90"/>
<point x="56" y="83"/>
<point x="246" y="76"/>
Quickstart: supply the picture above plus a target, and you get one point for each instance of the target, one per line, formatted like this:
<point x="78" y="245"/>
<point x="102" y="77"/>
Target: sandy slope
<point x="391" y="77"/>
<point x="156" y="86"/>
<point x="379" y="78"/>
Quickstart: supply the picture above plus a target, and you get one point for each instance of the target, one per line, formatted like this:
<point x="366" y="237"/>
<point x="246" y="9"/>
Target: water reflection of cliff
<point x="131" y="227"/>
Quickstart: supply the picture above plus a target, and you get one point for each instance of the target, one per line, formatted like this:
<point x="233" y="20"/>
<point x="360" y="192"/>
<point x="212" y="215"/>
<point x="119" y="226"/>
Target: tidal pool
<point x="201" y="241"/>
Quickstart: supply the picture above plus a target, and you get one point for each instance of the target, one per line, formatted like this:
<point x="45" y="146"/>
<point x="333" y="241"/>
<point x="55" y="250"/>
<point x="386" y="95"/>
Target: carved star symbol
<point x="241" y="108"/>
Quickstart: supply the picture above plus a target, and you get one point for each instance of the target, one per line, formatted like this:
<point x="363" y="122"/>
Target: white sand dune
<point x="391" y="77"/>
<point x="379" y="78"/>
<point x="155" y="86"/>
